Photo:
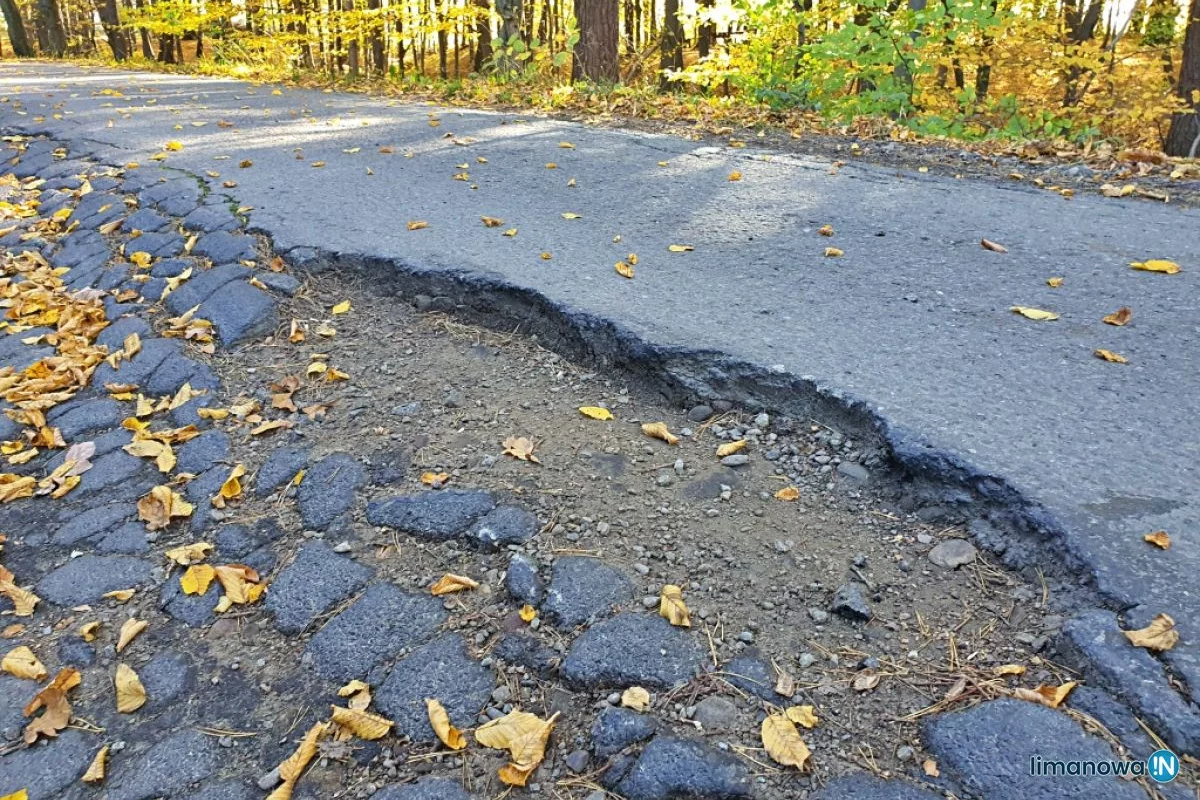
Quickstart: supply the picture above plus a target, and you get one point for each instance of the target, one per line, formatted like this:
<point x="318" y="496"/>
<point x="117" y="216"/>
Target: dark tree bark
<point x="51" y="35"/>
<point x="1183" y="139"/>
<point x="147" y="47"/>
<point x="166" y="49"/>
<point x="1081" y="27"/>
<point x="378" y="49"/>
<point x="352" y="55"/>
<point x="483" y="36"/>
<point x="672" y="45"/>
<point x="599" y="37"/>
<point x="707" y="35"/>
<point x="110" y="18"/>
<point x="16" y="29"/>
<point x="512" y="18"/>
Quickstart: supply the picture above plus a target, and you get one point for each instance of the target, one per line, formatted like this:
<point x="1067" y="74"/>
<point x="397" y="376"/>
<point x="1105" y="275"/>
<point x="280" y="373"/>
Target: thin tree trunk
<point x="51" y="35"/>
<point x="1081" y="27"/>
<point x="1183" y="139"/>
<point x="599" y="37"/>
<point x="378" y="48"/>
<point x="707" y="35"/>
<point x="110" y="18"/>
<point x="672" y="46"/>
<point x="16" y="29"/>
<point x="483" y="35"/>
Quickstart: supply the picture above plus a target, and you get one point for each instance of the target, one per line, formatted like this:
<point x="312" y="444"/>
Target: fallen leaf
<point x="53" y="698"/>
<point x="624" y="270"/>
<point x="22" y="663"/>
<point x="1109" y="355"/>
<point x="362" y="724"/>
<point x="1160" y="635"/>
<point x="272" y="425"/>
<point x="788" y="494"/>
<point x="449" y="735"/>
<point x="735" y="176"/>
<point x="834" y="252"/>
<point x="995" y="247"/>
<point x="783" y="743"/>
<point x="825" y="230"/>
<point x="129" y="631"/>
<point x="511" y="232"/>
<point x="292" y="767"/>
<point x="1009" y="669"/>
<point x="1054" y="283"/>
<point x="672" y="608"/>
<point x="521" y="448"/>
<point x="566" y="145"/>
<point x="23" y="600"/>
<point x="635" y="697"/>
<point x="1156" y="265"/>
<point x="730" y="448"/>
<point x="120" y="595"/>
<point x="231" y="489"/>
<point x="785" y="684"/>
<point x="596" y="412"/>
<point x="680" y="248"/>
<point x="173" y="146"/>
<point x="527" y="613"/>
<point x="88" y="630"/>
<point x="140" y="259"/>
<point x="571" y="215"/>
<point x="1034" y="313"/>
<point x="448" y="584"/>
<point x="546" y="256"/>
<point x="341" y="308"/>
<point x="524" y="736"/>
<point x="162" y="505"/>
<point x="804" y="716"/>
<point x="866" y="680"/>
<point x="241" y="583"/>
<point x="95" y="772"/>
<point x="659" y="430"/>
<point x="131" y="695"/>
<point x="21" y="794"/>
<point x="930" y="768"/>
<point x="491" y="222"/>
<point x="189" y="554"/>
<point x="417" y="225"/>
<point x="1051" y="696"/>
<point x="435" y="478"/>
<point x="1120" y="317"/>
<point x="1159" y="539"/>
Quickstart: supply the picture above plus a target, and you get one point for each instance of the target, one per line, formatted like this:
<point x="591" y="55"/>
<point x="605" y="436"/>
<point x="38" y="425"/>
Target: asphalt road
<point x="914" y="319"/>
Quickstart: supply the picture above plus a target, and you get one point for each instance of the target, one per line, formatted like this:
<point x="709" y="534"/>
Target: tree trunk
<point x="378" y="49"/>
<point x="352" y="45"/>
<point x="599" y="34"/>
<point x="1081" y="27"/>
<point x="51" y="35"/>
<point x="483" y="36"/>
<point x="707" y="35"/>
<point x="16" y="29"/>
<point x="672" y="46"/>
<point x="1184" y="137"/>
<point x="147" y="47"/>
<point x="512" y="15"/>
<point x="110" y="18"/>
<point x="166" y="49"/>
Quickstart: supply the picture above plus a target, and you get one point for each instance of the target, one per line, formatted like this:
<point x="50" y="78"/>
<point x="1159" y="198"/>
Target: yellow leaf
<point x="189" y="554"/>
<point x="21" y="662"/>
<point x="783" y="743"/>
<point x="212" y="413"/>
<point x="173" y="146"/>
<point x="158" y="508"/>
<point x="788" y="494"/>
<point x="449" y="583"/>
<point x="335" y="374"/>
<point x="272" y="425"/>
<point x="129" y="631"/>
<point x="1109" y="355"/>
<point x="1159" y="635"/>
<point x="658" y="430"/>
<point x="131" y="695"/>
<point x="417" y="225"/>
<point x="735" y="176"/>
<point x="834" y="252"/>
<point x="318" y="164"/>
<point x="1054" y="283"/>
<point x="672" y="608"/>
<point x="435" y="478"/>
<point x="352" y="688"/>
<point x="1009" y="669"/>
<point x="362" y="724"/>
<point x="1159" y="539"/>
<point x="315" y="368"/>
<point x="524" y="736"/>
<point x="1156" y="265"/>
<point x="1051" y="696"/>
<point x="635" y="697"/>
<point x="120" y="595"/>
<point x="492" y="222"/>
<point x="23" y="600"/>
<point x="680" y="248"/>
<point x="1120" y="317"/>
<point x="624" y="270"/>
<point x="88" y="631"/>
<point x="140" y="258"/>
<point x="527" y="613"/>
<point x="552" y="165"/>
<point x="291" y="768"/>
<point x="730" y="448"/>
<point x="825" y="230"/>
<point x="802" y="715"/>
<point x="662" y="163"/>
<point x="595" y="412"/>
<point x="547" y="256"/>
<point x="231" y="489"/>
<point x="1034" y="313"/>
<point x="450" y="736"/>
<point x="341" y="308"/>
<point x="521" y="448"/>
<point x="95" y="772"/>
<point x="571" y="215"/>
<point x="296" y="334"/>
<point x="511" y="232"/>
<point x="566" y="145"/>
<point x="18" y="795"/>
<point x="988" y="244"/>
<point x="241" y="584"/>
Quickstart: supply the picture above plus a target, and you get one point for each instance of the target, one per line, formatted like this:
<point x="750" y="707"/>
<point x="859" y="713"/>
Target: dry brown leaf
<point x="1120" y="317"/>
<point x="866" y="680"/>
<point x="1051" y="696"/>
<point x="672" y="608"/>
<point x="735" y="176"/>
<point x="189" y="554"/>
<point x="23" y="600"/>
<point x="834" y="252"/>
<point x="825" y="230"/>
<point x="1009" y="669"/>
<point x="491" y="222"/>
<point x="659" y="430"/>
<point x="95" y="772"/>
<point x="788" y="494"/>
<point x="292" y="767"/>
<point x="241" y="584"/>
<point x="435" y="479"/>
<point x="1054" y="283"/>
<point x="521" y="448"/>
<point x="129" y="631"/>
<point x="57" y="711"/>
<point x="1109" y="355"/>
<point x="785" y="684"/>
<point x="449" y="735"/>
<point x="624" y="269"/>
<point x="1159" y="539"/>
<point x="680" y="248"/>
<point x="448" y="584"/>
<point x="131" y="695"/>
<point x="930" y="768"/>
<point x="120" y="595"/>
<point x="995" y="247"/>
<point x="635" y="697"/>
<point x="729" y="448"/>
<point x="1034" y="313"/>
<point x="362" y="724"/>
<point x="162" y="505"/>
<point x="524" y="736"/>
<point x="21" y="662"/>
<point x="12" y="631"/>
<point x="805" y="716"/>
<point x="783" y="743"/>
<point x="272" y="425"/>
<point x="1160" y="635"/>
<point x="88" y="630"/>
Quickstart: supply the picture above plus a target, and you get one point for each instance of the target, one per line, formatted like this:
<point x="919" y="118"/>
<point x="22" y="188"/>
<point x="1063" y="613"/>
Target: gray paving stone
<point x="389" y="466"/>
<point x="123" y="474"/>
<point x="442" y="669"/>
<point x="633" y="650"/>
<point x="328" y="488"/>
<point x="618" y="728"/>
<point x="76" y="652"/>
<point x="438" y="515"/>
<point x="200" y="491"/>
<point x="279" y="282"/>
<point x="280" y="468"/>
<point x="861" y="786"/>
<point x="172" y="267"/>
<point x="198" y="288"/>
<point x="163" y="244"/>
<point x="396" y="620"/>
<point x="675" y="769"/>
<point x="152" y="290"/>
<point x="224" y="247"/>
<point x="987" y="750"/>
<point x="49" y="768"/>
<point x="425" y="789"/>
<point x="177" y="197"/>
<point x="522" y="581"/>
<point x="84" y="579"/>
<point x="139" y="369"/>
<point x="583" y="590"/>
<point x="751" y="673"/>
<point x="1108" y="712"/>
<point x="95" y="209"/>
<point x="93" y="522"/>
<point x="235" y="542"/>
<point x="316" y="581"/>
<point x="112" y="277"/>
<point x="82" y="418"/>
<point x="503" y="526"/>
<point x="144" y="220"/>
<point x="172" y="374"/>
<point x="240" y="312"/>
<point x="14" y="694"/>
<point x="129" y="538"/>
<point x="526" y="651"/>
<point x="114" y="335"/>
<point x="195" y="611"/>
<point x="166" y="677"/>
<point x="79" y="247"/>
<point x="168" y="769"/>
<point x="208" y="218"/>
<point x="11" y="345"/>
<point x="1095" y="643"/>
<point x="209" y="449"/>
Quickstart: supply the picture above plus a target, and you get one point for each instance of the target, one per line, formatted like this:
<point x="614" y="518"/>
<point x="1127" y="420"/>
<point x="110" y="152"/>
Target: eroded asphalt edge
<point x="944" y="477"/>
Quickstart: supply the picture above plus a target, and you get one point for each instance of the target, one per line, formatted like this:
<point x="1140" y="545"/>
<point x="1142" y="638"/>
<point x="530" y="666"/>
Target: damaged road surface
<point x="280" y="521"/>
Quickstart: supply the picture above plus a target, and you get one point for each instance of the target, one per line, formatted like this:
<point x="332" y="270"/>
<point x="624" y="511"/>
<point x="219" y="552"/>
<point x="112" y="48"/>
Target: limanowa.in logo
<point x="1161" y="767"/>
